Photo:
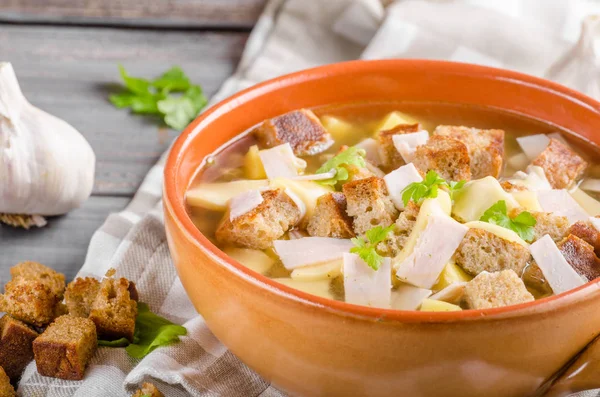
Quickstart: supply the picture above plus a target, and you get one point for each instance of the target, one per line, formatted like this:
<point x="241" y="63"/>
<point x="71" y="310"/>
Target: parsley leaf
<point x="157" y="97"/>
<point x="365" y="247"/>
<point x="428" y="188"/>
<point x="350" y="156"/>
<point x="522" y="224"/>
<point x="151" y="331"/>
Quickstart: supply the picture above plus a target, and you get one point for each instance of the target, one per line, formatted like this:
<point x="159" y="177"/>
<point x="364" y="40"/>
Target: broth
<point x="362" y="121"/>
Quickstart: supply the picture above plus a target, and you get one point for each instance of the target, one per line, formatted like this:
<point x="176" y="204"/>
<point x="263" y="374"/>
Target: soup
<point x="407" y="205"/>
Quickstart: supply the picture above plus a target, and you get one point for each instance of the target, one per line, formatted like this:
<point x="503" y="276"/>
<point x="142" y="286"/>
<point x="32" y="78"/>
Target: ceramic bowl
<point x="311" y="346"/>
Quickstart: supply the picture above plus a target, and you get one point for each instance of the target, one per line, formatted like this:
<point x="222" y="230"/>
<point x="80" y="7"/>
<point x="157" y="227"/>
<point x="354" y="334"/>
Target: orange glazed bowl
<point x="311" y="346"/>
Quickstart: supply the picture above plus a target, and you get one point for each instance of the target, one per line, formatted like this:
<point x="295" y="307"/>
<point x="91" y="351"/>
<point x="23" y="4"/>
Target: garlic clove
<point x="46" y="165"/>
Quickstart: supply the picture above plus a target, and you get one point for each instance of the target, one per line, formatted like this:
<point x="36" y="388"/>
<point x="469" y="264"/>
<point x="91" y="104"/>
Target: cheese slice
<point x="397" y="180"/>
<point x="371" y="148"/>
<point x="365" y="286"/>
<point x="534" y="179"/>
<point x="453" y="293"/>
<point x="434" y="248"/>
<point x="499" y="231"/>
<point x="431" y="305"/>
<point x="338" y="128"/>
<point x="215" y="196"/>
<point x="560" y="202"/>
<point x="408" y="297"/>
<point x="451" y="274"/>
<point x="477" y="196"/>
<point x="280" y="161"/>
<point x="244" y="203"/>
<point x="560" y="275"/>
<point x="323" y="271"/>
<point x="587" y="202"/>
<point x="595" y="222"/>
<point x="533" y="145"/>
<point x="591" y="185"/>
<point x="310" y="250"/>
<point x="306" y="191"/>
<point x="527" y="199"/>
<point x="406" y="144"/>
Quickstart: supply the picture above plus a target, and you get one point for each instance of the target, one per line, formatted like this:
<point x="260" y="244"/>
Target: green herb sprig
<point x="350" y="156"/>
<point x="365" y="247"/>
<point x="171" y="96"/>
<point x="523" y="224"/>
<point x="428" y="188"/>
<point x="151" y="331"/>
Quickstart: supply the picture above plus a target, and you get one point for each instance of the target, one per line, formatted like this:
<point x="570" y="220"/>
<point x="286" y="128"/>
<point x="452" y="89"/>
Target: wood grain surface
<point x="226" y="14"/>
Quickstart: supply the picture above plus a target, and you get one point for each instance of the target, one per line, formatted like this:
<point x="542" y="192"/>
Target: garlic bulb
<point x="46" y="165"/>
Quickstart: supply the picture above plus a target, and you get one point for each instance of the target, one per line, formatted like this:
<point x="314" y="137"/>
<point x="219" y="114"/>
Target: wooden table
<point x="65" y="54"/>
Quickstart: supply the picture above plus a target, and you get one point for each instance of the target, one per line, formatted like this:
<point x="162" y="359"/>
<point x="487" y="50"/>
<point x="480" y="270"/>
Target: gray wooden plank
<point x="163" y="13"/>
<point x="62" y="244"/>
<point x="70" y="71"/>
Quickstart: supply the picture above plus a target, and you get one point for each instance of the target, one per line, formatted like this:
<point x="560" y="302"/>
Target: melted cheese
<point x="365" y="286"/>
<point x="527" y="199"/>
<point x="397" y="180"/>
<point x="499" y="231"/>
<point x="310" y="250"/>
<point x="477" y="196"/>
<point x="323" y="271"/>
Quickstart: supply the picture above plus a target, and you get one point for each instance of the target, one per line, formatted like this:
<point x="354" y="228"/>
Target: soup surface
<point x="407" y="205"/>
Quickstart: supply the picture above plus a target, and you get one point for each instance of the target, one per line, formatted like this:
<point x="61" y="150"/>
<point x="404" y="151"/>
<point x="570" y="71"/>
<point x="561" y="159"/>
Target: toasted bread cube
<point x="486" y="148"/>
<point x="148" y="390"/>
<point x="369" y="204"/>
<point x="398" y="237"/>
<point x="447" y="156"/>
<point x="562" y="165"/>
<point x="482" y="251"/>
<point x="36" y="271"/>
<point x="587" y="232"/>
<point x="300" y="128"/>
<point x="64" y="349"/>
<point x="113" y="310"/>
<point x="580" y="255"/>
<point x="388" y="153"/>
<point x="498" y="289"/>
<point x="80" y="295"/>
<point x="330" y="218"/>
<point x="6" y="389"/>
<point x="30" y="301"/>
<point x="259" y="227"/>
<point x="546" y="223"/>
<point x="16" y="349"/>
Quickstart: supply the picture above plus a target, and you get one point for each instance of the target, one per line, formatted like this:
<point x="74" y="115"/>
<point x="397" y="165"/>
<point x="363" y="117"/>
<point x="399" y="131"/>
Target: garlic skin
<point x="46" y="165"/>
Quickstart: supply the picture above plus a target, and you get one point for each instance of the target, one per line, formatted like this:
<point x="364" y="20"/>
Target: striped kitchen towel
<point x="538" y="37"/>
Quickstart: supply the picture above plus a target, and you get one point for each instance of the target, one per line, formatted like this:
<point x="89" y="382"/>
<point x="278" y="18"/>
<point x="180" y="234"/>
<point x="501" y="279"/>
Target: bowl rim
<point x="176" y="205"/>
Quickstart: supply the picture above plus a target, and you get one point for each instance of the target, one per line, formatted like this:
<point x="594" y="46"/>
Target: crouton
<point x="369" y="204"/>
<point x="330" y="218"/>
<point x="113" y="310"/>
<point x="80" y="295"/>
<point x="587" y="232"/>
<point x="30" y="301"/>
<point x="562" y="166"/>
<point x="259" y="227"/>
<point x="404" y="225"/>
<point x="6" y="389"/>
<point x="481" y="251"/>
<point x="390" y="157"/>
<point x="580" y="255"/>
<point x="64" y="349"/>
<point x="546" y="223"/>
<point x="148" y="390"/>
<point x="16" y="349"/>
<point x="498" y="289"/>
<point x="36" y="271"/>
<point x="447" y="156"/>
<point x="300" y="128"/>
<point x="486" y="148"/>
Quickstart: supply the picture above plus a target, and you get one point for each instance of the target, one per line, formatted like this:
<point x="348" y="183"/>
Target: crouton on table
<point x="330" y="218"/>
<point x="16" y="349"/>
<point x="489" y="290"/>
<point x="6" y="389"/>
<point x="562" y="166"/>
<point x="481" y="251"/>
<point x="447" y="156"/>
<point x="148" y="390"/>
<point x="580" y="255"/>
<point x="30" y="301"/>
<point x="587" y="232"/>
<point x="368" y="203"/>
<point x="259" y="227"/>
<point x="300" y="128"/>
<point x="113" y="310"/>
<point x="486" y="148"/>
<point x="80" y="295"/>
<point x="390" y="156"/>
<point x="65" y="348"/>
<point x="396" y="240"/>
<point x="38" y="272"/>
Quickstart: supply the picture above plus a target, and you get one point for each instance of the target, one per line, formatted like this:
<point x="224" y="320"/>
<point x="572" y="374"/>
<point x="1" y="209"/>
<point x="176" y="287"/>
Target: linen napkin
<point x="538" y="37"/>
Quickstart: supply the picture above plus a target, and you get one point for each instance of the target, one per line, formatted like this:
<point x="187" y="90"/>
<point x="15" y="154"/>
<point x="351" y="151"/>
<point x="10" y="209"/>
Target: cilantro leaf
<point x="151" y="331"/>
<point x="428" y="188"/>
<point x="523" y="224"/>
<point x="350" y="156"/>
<point x="134" y="84"/>
<point x="173" y="79"/>
<point x="365" y="247"/>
